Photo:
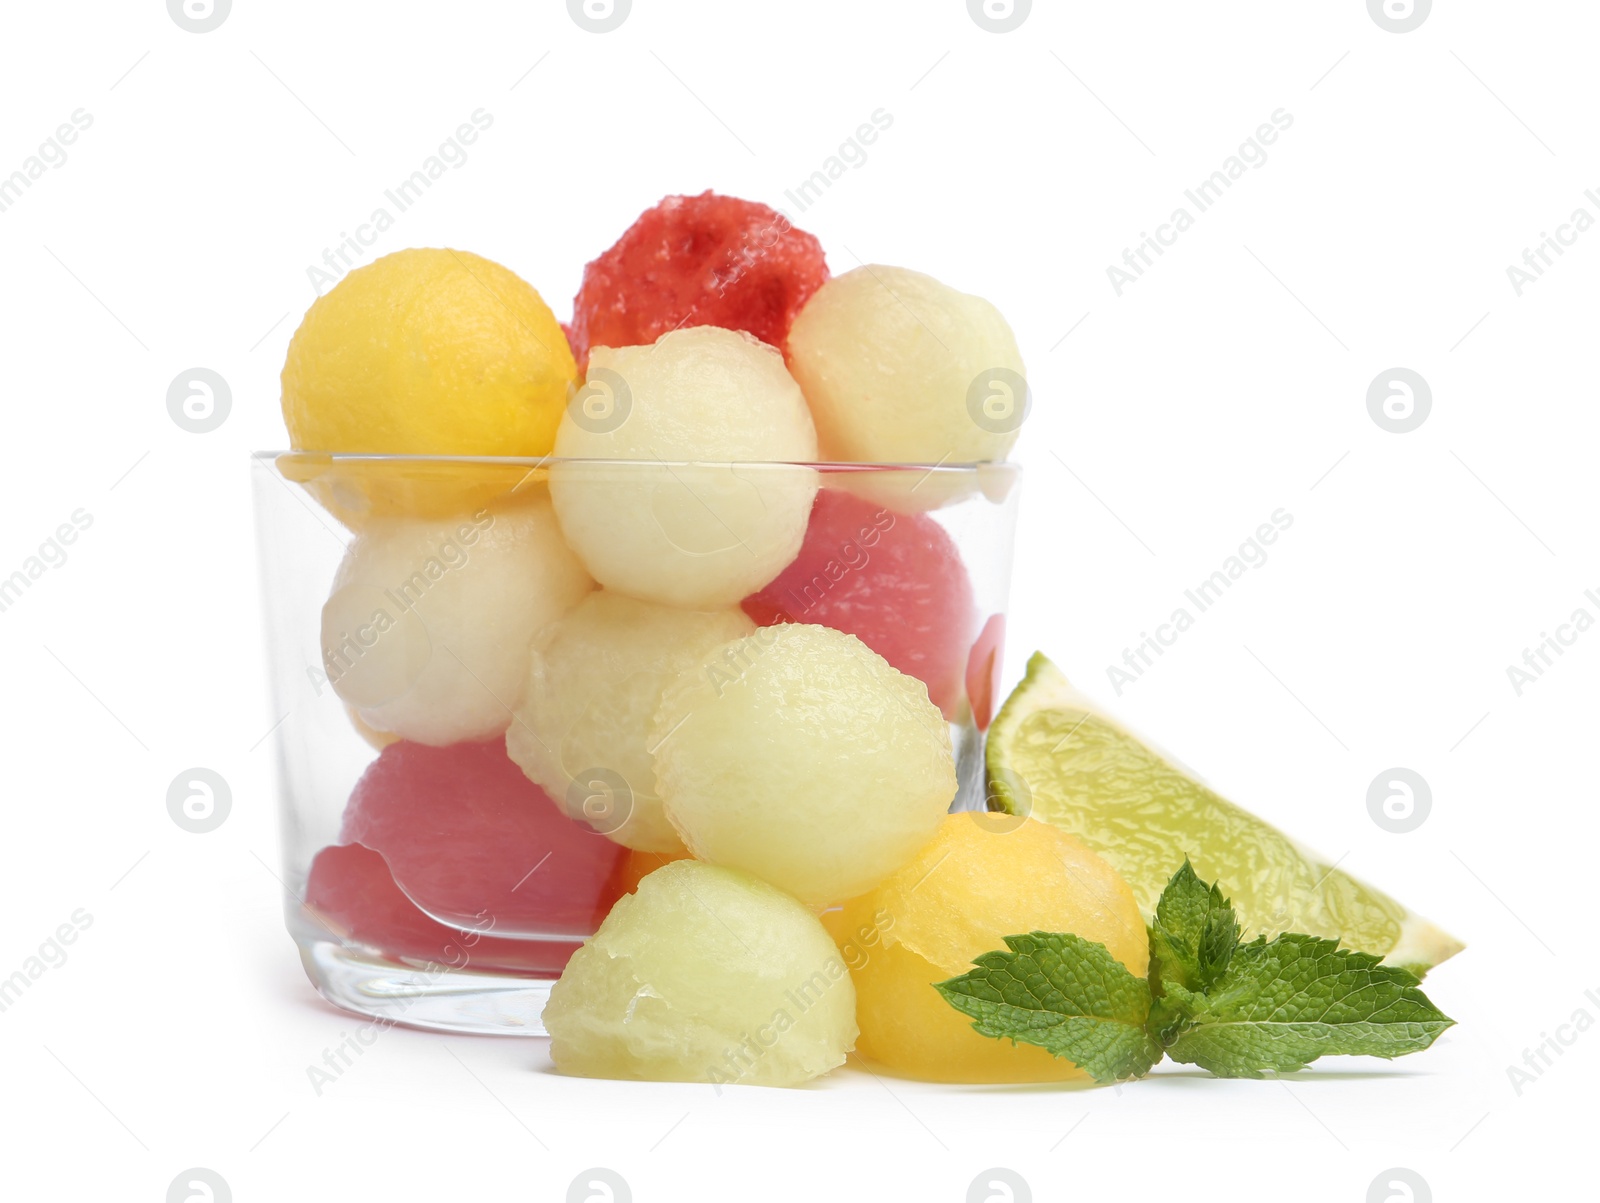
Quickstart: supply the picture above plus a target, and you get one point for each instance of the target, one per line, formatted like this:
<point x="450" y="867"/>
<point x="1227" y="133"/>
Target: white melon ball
<point x="805" y="758"/>
<point x="701" y="534"/>
<point x="582" y="731"/>
<point x="704" y="974"/>
<point x="429" y="626"/>
<point x="900" y="368"/>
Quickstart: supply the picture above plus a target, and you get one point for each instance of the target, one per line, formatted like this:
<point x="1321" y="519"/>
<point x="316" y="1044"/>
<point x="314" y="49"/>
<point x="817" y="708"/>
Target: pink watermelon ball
<point x="894" y="581"/>
<point x="473" y="842"/>
<point x="353" y="895"/>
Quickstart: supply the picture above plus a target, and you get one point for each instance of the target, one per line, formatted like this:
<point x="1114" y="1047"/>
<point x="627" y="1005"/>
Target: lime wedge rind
<point x="1055" y="753"/>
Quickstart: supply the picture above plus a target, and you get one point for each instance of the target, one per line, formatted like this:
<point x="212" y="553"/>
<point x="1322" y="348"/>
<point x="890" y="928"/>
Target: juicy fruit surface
<point x="594" y="685"/>
<point x="477" y="845"/>
<point x="351" y="893"/>
<point x="1053" y="752"/>
<point x="704" y="973"/>
<point x="980" y="879"/>
<point x="894" y="581"/>
<point x="888" y="359"/>
<point x="428" y="352"/>
<point x="697" y="534"/>
<point x="427" y="630"/>
<point x="802" y="756"/>
<point x="704" y="260"/>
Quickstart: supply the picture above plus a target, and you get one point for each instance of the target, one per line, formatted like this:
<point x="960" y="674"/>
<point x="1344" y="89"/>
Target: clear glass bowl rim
<point x="270" y="459"/>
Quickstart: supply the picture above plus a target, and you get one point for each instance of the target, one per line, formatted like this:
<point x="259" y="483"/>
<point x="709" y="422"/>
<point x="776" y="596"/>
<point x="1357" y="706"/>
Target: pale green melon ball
<point x="429" y="625"/>
<point x="701" y="522"/>
<point x="705" y="974"/>
<point x="899" y="368"/>
<point x="595" y="681"/>
<point x="803" y="757"/>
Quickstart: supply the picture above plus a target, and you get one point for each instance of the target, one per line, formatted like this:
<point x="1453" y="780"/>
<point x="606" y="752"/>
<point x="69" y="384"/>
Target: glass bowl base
<point x="431" y="1000"/>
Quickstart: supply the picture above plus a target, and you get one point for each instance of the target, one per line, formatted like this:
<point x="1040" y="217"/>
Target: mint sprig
<point x="1237" y="1010"/>
<point x="1285" y="1002"/>
<point x="1194" y="933"/>
<point x="1068" y="995"/>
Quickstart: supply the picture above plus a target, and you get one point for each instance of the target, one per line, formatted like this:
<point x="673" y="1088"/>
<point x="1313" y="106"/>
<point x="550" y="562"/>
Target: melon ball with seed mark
<point x="596" y="676"/>
<point x="900" y="368"/>
<point x="697" y="534"/>
<point x="429" y="625"/>
<point x="704" y="974"/>
<point x="802" y="756"/>
<point x="981" y="878"/>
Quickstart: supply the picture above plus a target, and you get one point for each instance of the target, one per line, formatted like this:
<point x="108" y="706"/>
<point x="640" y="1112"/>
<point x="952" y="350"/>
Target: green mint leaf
<point x="1068" y="995"/>
<point x="1171" y="1010"/>
<point x="1283" y="1003"/>
<point x="1194" y="934"/>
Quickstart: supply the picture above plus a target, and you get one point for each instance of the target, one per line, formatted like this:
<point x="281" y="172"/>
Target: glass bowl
<point x="455" y="823"/>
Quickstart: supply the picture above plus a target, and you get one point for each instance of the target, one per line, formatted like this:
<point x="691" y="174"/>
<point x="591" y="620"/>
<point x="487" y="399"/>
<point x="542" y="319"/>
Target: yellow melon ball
<point x="423" y="352"/>
<point x="428" y="352"/>
<point x="899" y="368"/>
<point x="704" y="974"/>
<point x="980" y="879"/>
<point x="801" y="755"/>
<point x="582" y="731"/>
<point x="702" y="521"/>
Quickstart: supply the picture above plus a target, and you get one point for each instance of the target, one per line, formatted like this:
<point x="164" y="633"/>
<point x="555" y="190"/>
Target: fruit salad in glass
<point x="715" y="572"/>
<point x="636" y="673"/>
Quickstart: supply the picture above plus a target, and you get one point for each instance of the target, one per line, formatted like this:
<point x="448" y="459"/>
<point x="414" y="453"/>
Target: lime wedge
<point x="1055" y="754"/>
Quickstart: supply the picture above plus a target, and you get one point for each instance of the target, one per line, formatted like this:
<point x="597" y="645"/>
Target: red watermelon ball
<point x="477" y="845"/>
<point x="352" y="893"/>
<point x="894" y="581"/>
<point x="704" y="260"/>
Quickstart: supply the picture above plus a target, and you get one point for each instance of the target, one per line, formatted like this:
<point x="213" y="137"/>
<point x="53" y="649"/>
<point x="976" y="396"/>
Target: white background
<point x="1169" y="422"/>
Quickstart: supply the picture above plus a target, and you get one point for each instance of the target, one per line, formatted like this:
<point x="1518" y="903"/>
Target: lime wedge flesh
<point x="1055" y="754"/>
